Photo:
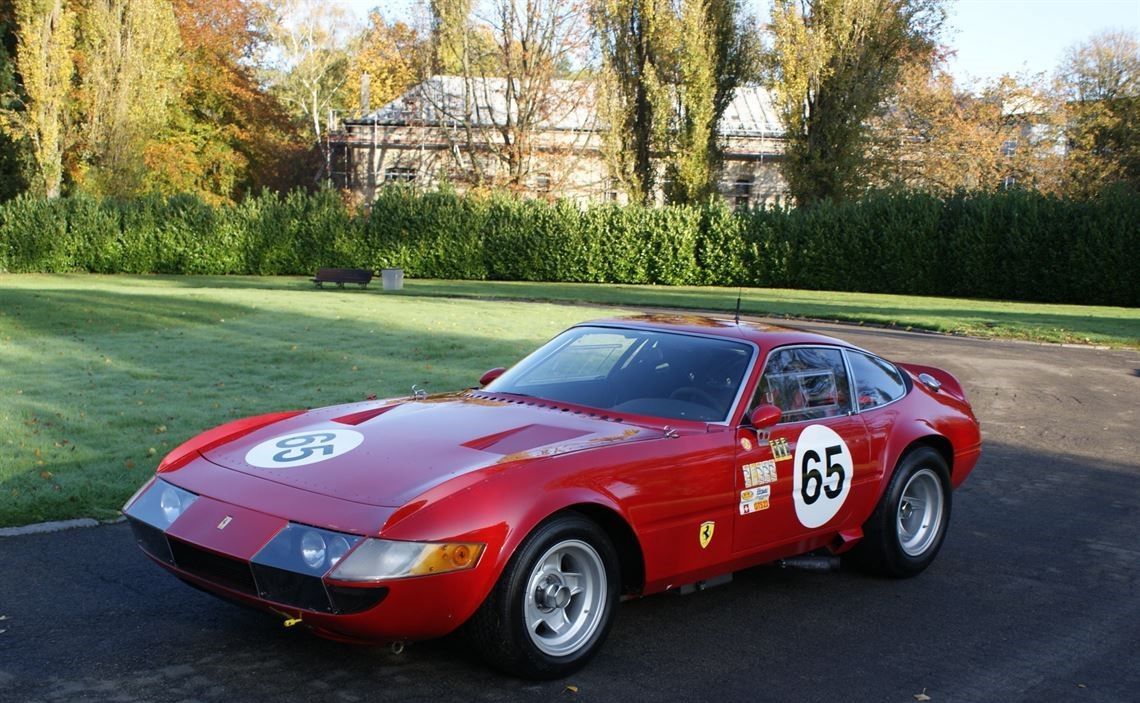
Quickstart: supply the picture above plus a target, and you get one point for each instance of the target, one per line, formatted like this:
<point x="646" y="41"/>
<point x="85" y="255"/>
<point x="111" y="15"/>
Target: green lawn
<point x="100" y="376"/>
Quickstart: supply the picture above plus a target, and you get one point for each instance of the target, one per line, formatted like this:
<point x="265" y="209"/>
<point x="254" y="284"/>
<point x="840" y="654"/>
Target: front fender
<point x="498" y="508"/>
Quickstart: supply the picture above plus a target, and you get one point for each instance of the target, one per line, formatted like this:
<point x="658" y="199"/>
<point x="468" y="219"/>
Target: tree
<point x="1100" y="82"/>
<point x="310" y="53"/>
<point x="716" y="55"/>
<point x="45" y="36"/>
<point x="129" y="78"/>
<point x="226" y="137"/>
<point x="936" y="137"/>
<point x="512" y="54"/>
<point x="833" y="64"/>
<point x="12" y="148"/>
<point x="634" y="39"/>
<point x="394" y="57"/>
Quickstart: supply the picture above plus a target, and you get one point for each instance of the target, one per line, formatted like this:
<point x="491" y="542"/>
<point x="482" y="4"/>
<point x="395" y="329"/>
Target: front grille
<point x="224" y="571"/>
<point x="278" y="585"/>
<point x="356" y="599"/>
<point x="291" y="588"/>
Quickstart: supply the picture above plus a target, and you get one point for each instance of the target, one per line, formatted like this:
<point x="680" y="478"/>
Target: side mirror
<point x="764" y="416"/>
<point x="491" y="375"/>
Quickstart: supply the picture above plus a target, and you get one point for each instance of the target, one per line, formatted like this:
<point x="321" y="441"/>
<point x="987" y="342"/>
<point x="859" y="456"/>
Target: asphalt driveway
<point x="1035" y="596"/>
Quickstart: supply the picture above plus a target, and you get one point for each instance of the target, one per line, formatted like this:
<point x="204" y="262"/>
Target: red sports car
<point x="624" y="457"/>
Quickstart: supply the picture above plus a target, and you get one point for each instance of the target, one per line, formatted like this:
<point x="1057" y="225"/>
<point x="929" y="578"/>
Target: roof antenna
<point x="736" y="317"/>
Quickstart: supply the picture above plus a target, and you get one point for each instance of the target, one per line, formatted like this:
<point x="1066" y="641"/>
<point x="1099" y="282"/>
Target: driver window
<point x="805" y="383"/>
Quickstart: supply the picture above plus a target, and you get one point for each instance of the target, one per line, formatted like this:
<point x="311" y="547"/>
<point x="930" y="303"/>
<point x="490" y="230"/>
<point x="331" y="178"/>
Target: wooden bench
<point x="341" y="276"/>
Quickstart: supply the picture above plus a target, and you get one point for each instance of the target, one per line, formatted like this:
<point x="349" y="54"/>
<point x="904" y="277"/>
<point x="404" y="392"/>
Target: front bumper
<point x="220" y="558"/>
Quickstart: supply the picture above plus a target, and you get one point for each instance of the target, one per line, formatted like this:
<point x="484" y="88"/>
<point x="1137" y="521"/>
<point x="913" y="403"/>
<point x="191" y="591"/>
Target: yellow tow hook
<point x="289" y="621"/>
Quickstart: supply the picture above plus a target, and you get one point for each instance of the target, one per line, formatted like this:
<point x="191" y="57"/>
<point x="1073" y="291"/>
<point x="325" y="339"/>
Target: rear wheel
<point x="553" y="605"/>
<point x="904" y="534"/>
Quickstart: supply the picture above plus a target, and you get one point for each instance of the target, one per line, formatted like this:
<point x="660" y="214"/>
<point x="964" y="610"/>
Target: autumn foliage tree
<point x="1099" y="81"/>
<point x="227" y="137"/>
<point x="394" y="57"/>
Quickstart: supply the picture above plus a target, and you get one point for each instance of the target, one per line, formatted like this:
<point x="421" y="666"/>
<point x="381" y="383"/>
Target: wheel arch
<point x="631" y="560"/>
<point x="936" y="442"/>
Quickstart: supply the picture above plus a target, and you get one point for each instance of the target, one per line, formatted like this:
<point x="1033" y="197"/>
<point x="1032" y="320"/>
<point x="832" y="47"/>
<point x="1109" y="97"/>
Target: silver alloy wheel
<point x="920" y="512"/>
<point x="565" y="597"/>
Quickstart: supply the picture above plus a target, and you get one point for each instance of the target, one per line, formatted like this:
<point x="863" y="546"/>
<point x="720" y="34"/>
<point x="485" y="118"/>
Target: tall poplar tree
<point x="130" y="77"/>
<point x="45" y="38"/>
<point x="832" y="65"/>
<point x="717" y="53"/>
<point x="636" y="39"/>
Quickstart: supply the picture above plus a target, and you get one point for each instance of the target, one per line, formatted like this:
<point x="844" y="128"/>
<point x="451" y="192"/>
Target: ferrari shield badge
<point x="707" y="533"/>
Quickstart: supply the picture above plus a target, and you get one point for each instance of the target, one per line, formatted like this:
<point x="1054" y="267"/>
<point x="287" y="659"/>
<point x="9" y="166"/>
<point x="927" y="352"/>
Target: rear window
<point x="877" y="382"/>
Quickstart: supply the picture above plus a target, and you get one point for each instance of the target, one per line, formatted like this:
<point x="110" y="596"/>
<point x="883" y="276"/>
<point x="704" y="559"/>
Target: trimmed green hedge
<point x="1014" y="245"/>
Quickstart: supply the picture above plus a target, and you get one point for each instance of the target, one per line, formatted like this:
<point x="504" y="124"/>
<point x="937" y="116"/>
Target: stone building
<point x="455" y="130"/>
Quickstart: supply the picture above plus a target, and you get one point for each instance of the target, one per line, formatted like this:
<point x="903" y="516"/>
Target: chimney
<point x="365" y="90"/>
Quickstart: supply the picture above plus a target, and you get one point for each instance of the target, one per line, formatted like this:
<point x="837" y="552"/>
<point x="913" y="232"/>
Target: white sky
<point x="990" y="37"/>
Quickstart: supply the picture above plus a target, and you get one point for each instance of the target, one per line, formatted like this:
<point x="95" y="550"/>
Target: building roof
<point x="447" y="100"/>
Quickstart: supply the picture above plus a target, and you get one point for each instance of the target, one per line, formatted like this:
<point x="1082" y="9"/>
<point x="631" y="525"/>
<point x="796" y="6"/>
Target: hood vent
<point x="362" y="416"/>
<point x="521" y="439"/>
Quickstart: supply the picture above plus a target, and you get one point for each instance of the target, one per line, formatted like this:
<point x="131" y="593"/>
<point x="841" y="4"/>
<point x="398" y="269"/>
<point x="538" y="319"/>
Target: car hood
<point x="385" y="453"/>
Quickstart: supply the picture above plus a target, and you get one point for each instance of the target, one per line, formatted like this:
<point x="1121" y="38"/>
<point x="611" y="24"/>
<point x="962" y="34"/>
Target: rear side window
<point x="877" y="382"/>
<point x="806" y="383"/>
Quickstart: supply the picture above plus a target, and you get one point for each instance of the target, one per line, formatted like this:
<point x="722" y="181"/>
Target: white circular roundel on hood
<point x="301" y="448"/>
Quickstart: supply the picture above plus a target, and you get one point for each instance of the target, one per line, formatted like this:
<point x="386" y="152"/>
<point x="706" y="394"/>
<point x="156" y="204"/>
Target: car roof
<point x="764" y="335"/>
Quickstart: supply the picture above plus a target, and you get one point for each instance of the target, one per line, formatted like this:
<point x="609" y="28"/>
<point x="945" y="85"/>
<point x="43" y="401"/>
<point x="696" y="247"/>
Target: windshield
<point x="642" y="372"/>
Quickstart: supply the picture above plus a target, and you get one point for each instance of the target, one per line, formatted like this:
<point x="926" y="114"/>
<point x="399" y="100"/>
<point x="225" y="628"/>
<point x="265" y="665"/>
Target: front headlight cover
<point x="160" y="504"/>
<point x="379" y="559"/>
<point x="305" y="550"/>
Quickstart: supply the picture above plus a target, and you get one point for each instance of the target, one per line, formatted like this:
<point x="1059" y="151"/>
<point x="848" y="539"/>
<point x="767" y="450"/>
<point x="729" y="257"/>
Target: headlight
<point x="313" y="549"/>
<point x="378" y="559"/>
<point x="161" y="504"/>
<point x="305" y="550"/>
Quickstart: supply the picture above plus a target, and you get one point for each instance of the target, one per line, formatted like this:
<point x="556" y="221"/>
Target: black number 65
<point x="811" y="482"/>
<point x="304" y="446"/>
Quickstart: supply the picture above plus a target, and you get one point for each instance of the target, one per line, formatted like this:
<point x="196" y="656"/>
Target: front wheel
<point x="904" y="534"/>
<point x="553" y="605"/>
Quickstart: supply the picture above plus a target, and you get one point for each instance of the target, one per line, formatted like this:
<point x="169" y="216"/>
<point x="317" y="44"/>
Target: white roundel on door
<point x="821" y="475"/>
<point x="303" y="448"/>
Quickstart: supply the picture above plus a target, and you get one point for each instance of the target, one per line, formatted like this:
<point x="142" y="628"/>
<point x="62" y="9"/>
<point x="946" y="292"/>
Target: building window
<point x="1009" y="182"/>
<point x="400" y="174"/>
<point x="742" y="193"/>
<point x="542" y="183"/>
<point x="1009" y="147"/>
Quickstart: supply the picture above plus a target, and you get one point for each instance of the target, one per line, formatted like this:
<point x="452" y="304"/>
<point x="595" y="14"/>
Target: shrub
<point x="1017" y="245"/>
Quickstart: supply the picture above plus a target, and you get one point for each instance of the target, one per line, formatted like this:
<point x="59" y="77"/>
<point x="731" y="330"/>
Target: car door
<point x="802" y="477"/>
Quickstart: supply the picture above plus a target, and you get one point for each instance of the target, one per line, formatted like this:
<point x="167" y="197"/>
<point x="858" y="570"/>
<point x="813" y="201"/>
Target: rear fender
<point x="950" y="384"/>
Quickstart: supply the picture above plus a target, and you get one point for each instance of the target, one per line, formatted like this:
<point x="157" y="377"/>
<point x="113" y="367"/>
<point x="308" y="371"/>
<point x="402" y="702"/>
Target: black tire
<point x="499" y="631"/>
<point x="887" y="548"/>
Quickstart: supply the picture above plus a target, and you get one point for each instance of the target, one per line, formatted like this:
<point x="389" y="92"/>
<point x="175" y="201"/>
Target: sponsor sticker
<point x="753" y="500"/>
<point x="780" y="449"/>
<point x="759" y="473"/>
<point x="746" y="444"/>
